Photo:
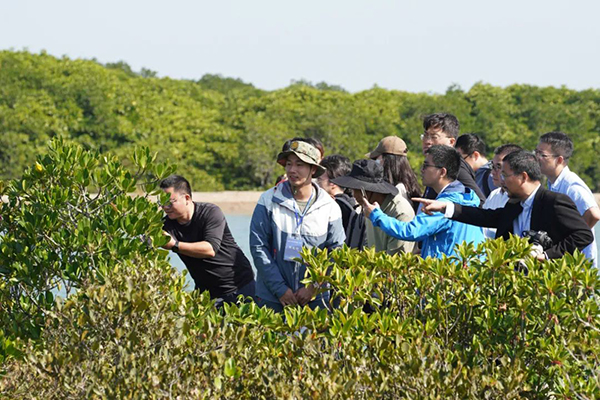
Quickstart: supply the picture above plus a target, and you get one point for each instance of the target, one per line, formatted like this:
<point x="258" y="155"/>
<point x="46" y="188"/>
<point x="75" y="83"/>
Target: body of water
<point x="240" y="229"/>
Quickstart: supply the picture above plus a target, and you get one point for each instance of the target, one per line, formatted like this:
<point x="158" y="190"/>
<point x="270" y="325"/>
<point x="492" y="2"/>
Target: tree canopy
<point x="223" y="133"/>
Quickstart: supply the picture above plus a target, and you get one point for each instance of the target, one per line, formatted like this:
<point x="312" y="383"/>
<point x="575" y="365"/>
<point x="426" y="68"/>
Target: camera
<point x="539" y="237"/>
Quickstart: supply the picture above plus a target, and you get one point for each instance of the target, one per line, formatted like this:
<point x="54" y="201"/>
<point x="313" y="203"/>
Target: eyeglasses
<point x="503" y="176"/>
<point x="539" y="154"/>
<point x="433" y="137"/>
<point x="169" y="203"/>
<point x="466" y="156"/>
<point x="425" y="166"/>
<point x="496" y="167"/>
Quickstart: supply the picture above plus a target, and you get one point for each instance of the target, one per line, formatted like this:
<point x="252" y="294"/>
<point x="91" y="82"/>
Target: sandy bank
<point x="231" y="202"/>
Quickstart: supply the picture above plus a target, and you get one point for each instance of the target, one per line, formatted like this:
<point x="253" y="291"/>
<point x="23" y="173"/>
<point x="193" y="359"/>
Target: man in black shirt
<point x="202" y="239"/>
<point x="443" y="129"/>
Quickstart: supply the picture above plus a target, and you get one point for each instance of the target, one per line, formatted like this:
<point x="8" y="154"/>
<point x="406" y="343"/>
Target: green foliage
<point x="223" y="133"/>
<point x="69" y="221"/>
<point x="463" y="327"/>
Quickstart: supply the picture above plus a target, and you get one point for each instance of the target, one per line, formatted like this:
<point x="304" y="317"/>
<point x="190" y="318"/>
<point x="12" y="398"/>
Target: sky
<point x="415" y="46"/>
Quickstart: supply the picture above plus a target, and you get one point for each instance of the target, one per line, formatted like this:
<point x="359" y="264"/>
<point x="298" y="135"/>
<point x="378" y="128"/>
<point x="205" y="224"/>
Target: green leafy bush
<point x="70" y="220"/>
<point x="464" y="327"/>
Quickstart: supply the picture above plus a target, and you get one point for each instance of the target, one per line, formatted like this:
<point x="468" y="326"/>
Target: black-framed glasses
<point x="425" y="166"/>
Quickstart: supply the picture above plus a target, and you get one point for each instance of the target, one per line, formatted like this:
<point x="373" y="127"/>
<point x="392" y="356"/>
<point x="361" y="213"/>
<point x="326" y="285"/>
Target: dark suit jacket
<point x="552" y="212"/>
<point x="466" y="176"/>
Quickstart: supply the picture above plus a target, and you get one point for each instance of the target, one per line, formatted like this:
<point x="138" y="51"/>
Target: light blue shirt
<point x="573" y="186"/>
<point x="523" y="221"/>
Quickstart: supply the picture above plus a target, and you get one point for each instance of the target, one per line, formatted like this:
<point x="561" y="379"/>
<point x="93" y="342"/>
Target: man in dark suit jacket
<point x="531" y="208"/>
<point x="443" y="129"/>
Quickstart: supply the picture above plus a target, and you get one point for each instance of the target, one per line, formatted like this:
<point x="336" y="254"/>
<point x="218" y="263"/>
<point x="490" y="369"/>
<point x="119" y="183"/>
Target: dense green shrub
<point x="448" y="331"/>
<point x="68" y="221"/>
<point x="464" y="327"/>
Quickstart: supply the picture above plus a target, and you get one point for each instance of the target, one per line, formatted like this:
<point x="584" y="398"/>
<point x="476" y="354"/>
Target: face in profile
<point x="430" y="173"/>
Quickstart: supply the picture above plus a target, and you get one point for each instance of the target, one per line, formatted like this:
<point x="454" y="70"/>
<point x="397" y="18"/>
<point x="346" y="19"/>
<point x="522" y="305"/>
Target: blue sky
<point x="414" y="46"/>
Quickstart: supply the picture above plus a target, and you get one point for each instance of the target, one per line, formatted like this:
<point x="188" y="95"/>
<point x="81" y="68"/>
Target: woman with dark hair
<point x="391" y="154"/>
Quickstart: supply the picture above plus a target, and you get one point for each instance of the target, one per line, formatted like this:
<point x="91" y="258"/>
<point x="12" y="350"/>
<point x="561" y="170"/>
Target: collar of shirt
<point x="444" y="188"/>
<point x="561" y="177"/>
<point x="529" y="202"/>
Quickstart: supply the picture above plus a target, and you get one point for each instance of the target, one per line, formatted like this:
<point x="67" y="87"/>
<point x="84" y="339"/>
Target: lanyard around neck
<point x="300" y="216"/>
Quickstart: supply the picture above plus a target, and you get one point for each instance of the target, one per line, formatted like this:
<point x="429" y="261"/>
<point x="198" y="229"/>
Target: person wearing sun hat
<point x="294" y="214"/>
<point x="391" y="152"/>
<point x="367" y="176"/>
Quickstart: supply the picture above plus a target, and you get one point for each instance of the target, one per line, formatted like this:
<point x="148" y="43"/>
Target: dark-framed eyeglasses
<point x="425" y="166"/>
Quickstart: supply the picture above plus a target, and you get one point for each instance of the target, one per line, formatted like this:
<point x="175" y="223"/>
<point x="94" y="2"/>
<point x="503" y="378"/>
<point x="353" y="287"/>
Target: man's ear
<point x="452" y="141"/>
<point x="444" y="172"/>
<point x="476" y="155"/>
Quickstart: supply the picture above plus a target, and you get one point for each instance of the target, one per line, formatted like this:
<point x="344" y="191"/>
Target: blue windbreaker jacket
<point x="439" y="234"/>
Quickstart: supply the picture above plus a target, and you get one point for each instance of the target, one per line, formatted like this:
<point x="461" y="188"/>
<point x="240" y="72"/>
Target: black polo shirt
<point x="229" y="269"/>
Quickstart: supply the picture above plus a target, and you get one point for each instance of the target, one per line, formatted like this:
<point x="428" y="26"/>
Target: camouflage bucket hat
<point x="305" y="152"/>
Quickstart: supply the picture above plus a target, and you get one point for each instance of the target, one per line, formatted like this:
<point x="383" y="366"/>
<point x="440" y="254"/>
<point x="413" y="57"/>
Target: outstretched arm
<point x="431" y="206"/>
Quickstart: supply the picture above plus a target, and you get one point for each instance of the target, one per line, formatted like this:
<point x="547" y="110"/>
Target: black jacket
<point x="552" y="212"/>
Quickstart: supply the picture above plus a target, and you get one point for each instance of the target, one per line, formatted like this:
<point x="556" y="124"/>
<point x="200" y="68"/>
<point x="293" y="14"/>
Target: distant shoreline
<point x="242" y="202"/>
<point x="231" y="202"/>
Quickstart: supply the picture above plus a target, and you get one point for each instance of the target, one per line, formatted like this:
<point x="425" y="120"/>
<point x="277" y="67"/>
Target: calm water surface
<point x="240" y="229"/>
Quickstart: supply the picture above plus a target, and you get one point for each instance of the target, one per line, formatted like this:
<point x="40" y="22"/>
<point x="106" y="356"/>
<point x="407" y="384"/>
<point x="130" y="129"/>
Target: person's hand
<point x="537" y="252"/>
<point x="431" y="206"/>
<point x="288" y="298"/>
<point x="367" y="207"/>
<point x="169" y="245"/>
<point x="305" y="294"/>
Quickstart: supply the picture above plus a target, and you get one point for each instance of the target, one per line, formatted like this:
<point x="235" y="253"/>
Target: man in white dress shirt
<point x="553" y="153"/>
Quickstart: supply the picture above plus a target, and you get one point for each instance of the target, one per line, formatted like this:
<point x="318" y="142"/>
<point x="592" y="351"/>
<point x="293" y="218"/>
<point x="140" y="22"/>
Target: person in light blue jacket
<point x="439" y="235"/>
<point x="294" y="214"/>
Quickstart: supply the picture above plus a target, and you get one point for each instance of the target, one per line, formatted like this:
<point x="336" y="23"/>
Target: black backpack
<point x="356" y="227"/>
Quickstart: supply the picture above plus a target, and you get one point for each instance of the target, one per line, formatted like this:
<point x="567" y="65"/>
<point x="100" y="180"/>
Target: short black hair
<point x="446" y="157"/>
<point x="523" y="161"/>
<point x="336" y="165"/>
<point x="178" y="183"/>
<point x="447" y="123"/>
<point x="560" y="143"/>
<point x="507" y="148"/>
<point x="470" y="143"/>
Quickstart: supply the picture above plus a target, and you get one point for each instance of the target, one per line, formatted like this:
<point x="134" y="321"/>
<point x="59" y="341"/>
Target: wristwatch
<point x="175" y="248"/>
